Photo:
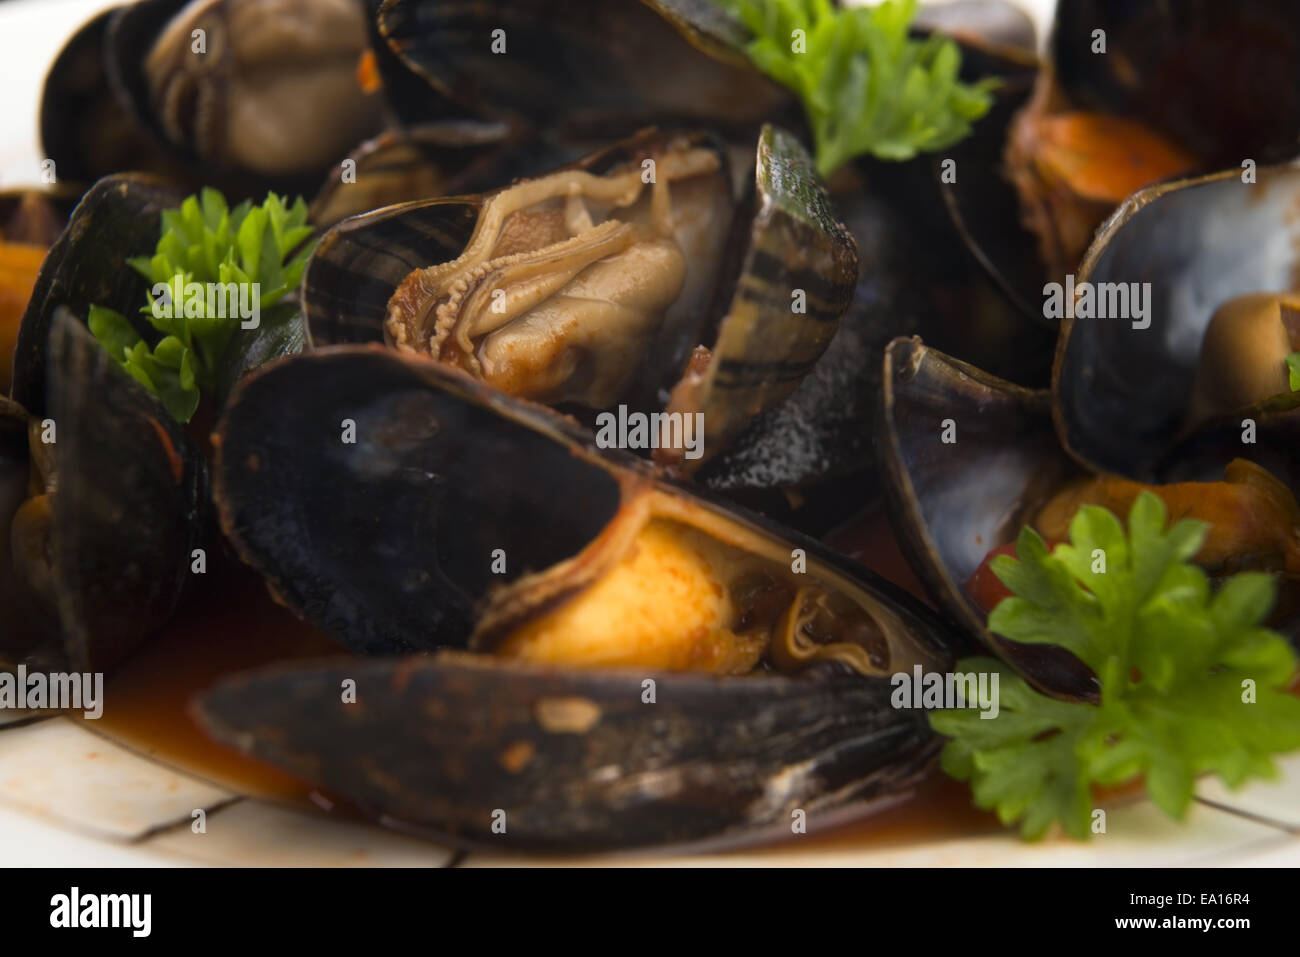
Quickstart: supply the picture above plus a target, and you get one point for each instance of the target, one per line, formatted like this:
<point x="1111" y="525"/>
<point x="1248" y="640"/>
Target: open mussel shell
<point x="111" y="542"/>
<point x="798" y="269"/>
<point x="952" y="502"/>
<point x="586" y="65"/>
<point x="780" y="279"/>
<point x="1222" y="79"/>
<point x="1218" y="81"/>
<point x="448" y="490"/>
<point x="117" y="218"/>
<point x="388" y="543"/>
<point x="432" y="489"/>
<point x="1122" y="386"/>
<point x="483" y="753"/>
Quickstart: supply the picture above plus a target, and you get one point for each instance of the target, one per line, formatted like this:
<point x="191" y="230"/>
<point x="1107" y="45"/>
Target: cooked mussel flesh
<point x="567" y="279"/>
<point x="271" y="88"/>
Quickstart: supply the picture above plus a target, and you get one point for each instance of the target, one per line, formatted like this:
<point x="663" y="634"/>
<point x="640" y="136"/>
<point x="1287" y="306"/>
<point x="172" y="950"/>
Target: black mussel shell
<point x="790" y="244"/>
<point x="1122" y="387"/>
<point x="387" y="541"/>
<point x="128" y="511"/>
<point x="487" y="753"/>
<point x="386" y="544"/>
<point x="586" y="65"/>
<point x="952" y="503"/>
<point x="119" y="217"/>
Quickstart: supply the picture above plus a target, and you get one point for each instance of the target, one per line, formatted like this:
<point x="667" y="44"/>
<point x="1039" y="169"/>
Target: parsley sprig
<point x="204" y="241"/>
<point x="1191" y="682"/>
<point x="866" y="85"/>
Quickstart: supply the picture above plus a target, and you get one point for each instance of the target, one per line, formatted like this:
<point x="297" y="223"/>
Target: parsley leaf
<point x="1293" y="371"/>
<point x="1191" y="682"/>
<point x="866" y="85"/>
<point x="204" y="241"/>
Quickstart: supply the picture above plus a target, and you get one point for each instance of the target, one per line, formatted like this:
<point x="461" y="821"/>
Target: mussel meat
<point x="595" y="284"/>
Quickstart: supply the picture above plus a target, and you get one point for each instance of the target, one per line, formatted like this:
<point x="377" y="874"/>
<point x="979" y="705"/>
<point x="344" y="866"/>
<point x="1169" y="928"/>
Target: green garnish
<point x="205" y="242"/>
<point x="1190" y="683"/>
<point x="867" y="87"/>
<point x="1293" y="370"/>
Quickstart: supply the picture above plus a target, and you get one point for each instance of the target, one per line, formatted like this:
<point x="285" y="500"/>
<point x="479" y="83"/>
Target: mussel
<point x="475" y="554"/>
<point x="568" y="280"/>
<point x="969" y="460"/>
<point x="402" y="506"/>
<point x="113" y="520"/>
<point x="594" y="284"/>
<point x="966" y="458"/>
<point x="102" y="541"/>
<point x="478" y="752"/>
<point x="244" y="94"/>
<point x="117" y="218"/>
<point x="1132" y="94"/>
<point x="578" y="67"/>
<point x="1130" y="387"/>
